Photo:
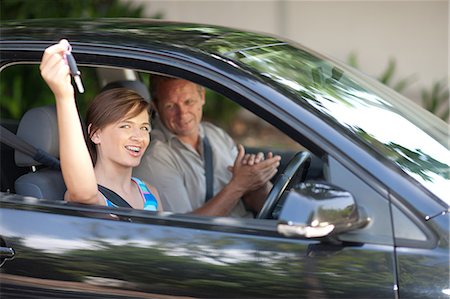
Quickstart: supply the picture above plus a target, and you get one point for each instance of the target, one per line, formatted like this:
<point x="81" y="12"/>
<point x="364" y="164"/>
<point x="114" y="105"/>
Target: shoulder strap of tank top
<point x="149" y="199"/>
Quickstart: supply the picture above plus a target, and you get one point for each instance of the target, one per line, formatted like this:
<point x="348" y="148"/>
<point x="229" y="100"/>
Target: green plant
<point x="24" y="9"/>
<point x="436" y="99"/>
<point x="219" y="109"/>
<point x="22" y="87"/>
<point x="387" y="76"/>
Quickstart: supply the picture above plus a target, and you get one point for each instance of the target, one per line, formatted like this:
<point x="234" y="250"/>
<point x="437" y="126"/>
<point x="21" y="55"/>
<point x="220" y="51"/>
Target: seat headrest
<point x="136" y="86"/>
<point x="38" y="127"/>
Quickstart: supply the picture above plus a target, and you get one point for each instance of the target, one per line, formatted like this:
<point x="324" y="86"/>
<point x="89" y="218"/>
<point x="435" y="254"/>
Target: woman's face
<point x="125" y="141"/>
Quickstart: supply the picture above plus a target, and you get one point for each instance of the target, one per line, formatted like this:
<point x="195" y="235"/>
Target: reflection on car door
<point x="137" y="253"/>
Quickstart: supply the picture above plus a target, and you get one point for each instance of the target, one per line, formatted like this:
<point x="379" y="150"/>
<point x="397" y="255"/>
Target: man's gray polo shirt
<point x="177" y="170"/>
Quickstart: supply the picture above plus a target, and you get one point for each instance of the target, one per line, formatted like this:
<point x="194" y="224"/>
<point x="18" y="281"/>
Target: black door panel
<point x="86" y="254"/>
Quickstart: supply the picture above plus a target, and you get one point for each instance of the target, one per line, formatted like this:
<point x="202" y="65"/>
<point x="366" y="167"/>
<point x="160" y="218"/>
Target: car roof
<point x="136" y="32"/>
<point x="208" y="44"/>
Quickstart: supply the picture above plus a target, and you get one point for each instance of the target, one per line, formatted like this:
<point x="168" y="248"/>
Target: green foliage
<point x="206" y="265"/>
<point x="218" y="109"/>
<point x="21" y="87"/>
<point x="25" y="9"/>
<point x="436" y="99"/>
<point x="387" y="76"/>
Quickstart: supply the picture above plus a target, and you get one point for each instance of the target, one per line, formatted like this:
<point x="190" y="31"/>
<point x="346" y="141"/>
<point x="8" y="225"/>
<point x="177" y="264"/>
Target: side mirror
<point x="315" y="210"/>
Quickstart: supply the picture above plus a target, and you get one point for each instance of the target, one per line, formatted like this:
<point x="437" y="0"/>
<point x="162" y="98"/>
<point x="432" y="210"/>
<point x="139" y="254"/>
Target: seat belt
<point x="113" y="197"/>
<point x="21" y="145"/>
<point x="12" y="140"/>
<point x="209" y="173"/>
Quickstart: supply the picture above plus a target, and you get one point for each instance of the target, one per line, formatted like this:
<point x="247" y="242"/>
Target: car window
<point x="244" y="127"/>
<point x="251" y="130"/>
<point x="405" y="228"/>
<point x="344" y="95"/>
<point x="22" y="89"/>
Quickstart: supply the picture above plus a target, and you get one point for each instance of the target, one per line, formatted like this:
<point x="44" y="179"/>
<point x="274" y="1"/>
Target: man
<point x="175" y="160"/>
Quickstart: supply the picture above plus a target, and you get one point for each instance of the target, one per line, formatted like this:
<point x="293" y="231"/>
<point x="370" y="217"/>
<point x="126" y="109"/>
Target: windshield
<point x="408" y="135"/>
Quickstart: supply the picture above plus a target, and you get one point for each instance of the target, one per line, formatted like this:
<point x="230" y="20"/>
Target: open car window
<point x="232" y="112"/>
<point x="244" y="126"/>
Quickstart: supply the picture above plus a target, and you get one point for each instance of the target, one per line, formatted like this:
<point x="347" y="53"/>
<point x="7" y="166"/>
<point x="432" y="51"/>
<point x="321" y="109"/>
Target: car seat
<point x="39" y="127"/>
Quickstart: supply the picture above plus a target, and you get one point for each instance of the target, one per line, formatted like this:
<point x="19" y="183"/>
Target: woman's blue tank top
<point x="150" y="202"/>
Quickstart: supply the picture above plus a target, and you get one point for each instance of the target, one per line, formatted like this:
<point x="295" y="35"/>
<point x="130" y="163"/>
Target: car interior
<point x="38" y="127"/>
<point x="21" y="174"/>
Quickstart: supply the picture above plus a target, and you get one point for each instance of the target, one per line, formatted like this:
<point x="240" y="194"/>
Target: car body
<point x="380" y="155"/>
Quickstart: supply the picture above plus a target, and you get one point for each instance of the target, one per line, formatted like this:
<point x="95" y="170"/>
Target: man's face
<point x="180" y="105"/>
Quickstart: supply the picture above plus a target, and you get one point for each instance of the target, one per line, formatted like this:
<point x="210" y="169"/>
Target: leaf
<point x="353" y="60"/>
<point x="388" y="74"/>
<point x="402" y="84"/>
<point x="435" y="98"/>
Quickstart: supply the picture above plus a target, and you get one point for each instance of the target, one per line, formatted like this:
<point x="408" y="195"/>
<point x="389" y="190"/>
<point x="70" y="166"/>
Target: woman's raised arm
<point x="77" y="167"/>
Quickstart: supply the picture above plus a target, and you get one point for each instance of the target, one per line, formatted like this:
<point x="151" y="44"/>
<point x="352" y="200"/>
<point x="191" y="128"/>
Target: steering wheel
<point x="294" y="173"/>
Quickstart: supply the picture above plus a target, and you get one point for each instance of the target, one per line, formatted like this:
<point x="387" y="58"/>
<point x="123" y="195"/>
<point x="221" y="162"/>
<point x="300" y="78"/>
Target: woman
<point x="118" y="134"/>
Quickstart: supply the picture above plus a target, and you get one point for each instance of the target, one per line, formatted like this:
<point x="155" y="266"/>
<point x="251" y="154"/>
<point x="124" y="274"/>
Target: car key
<point x="74" y="70"/>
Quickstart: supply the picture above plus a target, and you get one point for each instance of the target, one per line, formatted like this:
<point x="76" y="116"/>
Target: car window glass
<point x="375" y="205"/>
<point x="404" y="228"/>
<point x="357" y="102"/>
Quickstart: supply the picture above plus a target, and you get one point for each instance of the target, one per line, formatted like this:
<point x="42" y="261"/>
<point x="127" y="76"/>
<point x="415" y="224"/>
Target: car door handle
<point x="6" y="253"/>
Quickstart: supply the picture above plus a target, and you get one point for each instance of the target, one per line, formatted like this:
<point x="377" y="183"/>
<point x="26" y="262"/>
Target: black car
<point x="360" y="211"/>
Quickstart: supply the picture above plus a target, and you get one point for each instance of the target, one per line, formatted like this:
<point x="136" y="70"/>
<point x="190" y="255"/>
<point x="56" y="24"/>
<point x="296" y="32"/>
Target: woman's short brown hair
<point x="111" y="106"/>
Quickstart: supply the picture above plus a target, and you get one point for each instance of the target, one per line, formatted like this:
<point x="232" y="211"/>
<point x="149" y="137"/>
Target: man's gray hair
<point x="155" y="80"/>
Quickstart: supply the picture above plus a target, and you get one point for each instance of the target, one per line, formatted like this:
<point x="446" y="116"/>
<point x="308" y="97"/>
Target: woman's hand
<point x="56" y="72"/>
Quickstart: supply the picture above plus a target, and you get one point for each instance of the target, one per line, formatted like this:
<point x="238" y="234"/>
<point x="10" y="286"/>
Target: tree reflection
<point x="270" y="269"/>
<point x="418" y="162"/>
<point x="370" y="115"/>
<point x="411" y="160"/>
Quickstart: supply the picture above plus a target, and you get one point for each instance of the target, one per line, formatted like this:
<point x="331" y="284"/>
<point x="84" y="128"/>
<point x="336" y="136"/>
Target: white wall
<point x="414" y="33"/>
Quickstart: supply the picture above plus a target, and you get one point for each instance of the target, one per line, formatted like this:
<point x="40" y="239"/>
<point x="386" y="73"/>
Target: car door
<point x="68" y="249"/>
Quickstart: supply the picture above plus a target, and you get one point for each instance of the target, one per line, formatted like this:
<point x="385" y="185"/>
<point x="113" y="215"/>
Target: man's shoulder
<point x="211" y="129"/>
<point x="158" y="146"/>
<point x="160" y="157"/>
<point x="219" y="138"/>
